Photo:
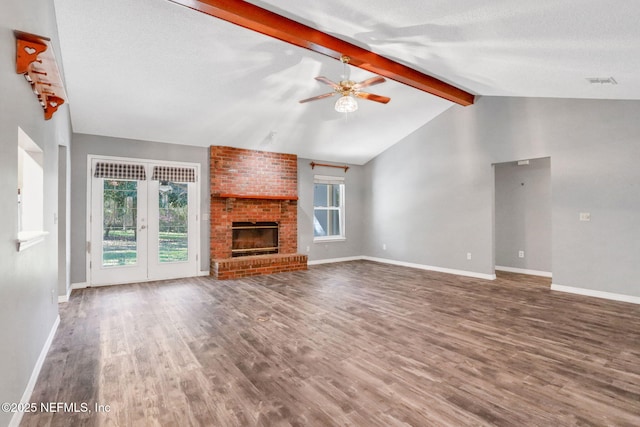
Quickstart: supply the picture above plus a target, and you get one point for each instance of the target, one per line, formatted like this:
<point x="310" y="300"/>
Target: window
<point x="30" y="192"/>
<point x="328" y="208"/>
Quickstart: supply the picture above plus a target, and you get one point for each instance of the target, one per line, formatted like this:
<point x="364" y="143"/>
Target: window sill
<point x="26" y="239"/>
<point x="329" y="239"/>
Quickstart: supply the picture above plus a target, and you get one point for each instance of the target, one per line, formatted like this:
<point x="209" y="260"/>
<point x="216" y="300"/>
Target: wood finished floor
<point x="349" y="344"/>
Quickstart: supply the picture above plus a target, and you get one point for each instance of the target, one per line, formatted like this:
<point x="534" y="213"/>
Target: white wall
<point x="28" y="279"/>
<point x="431" y="195"/>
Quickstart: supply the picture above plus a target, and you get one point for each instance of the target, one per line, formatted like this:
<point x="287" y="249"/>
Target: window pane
<point x="320" y="195"/>
<point x="173" y="239"/>
<point x="320" y="221"/>
<point x="334" y="195"/>
<point x="326" y="195"/>
<point x="120" y="206"/>
<point x="326" y="222"/>
<point x="334" y="223"/>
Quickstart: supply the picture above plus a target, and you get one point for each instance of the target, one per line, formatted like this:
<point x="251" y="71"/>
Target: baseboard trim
<point x="80" y="285"/>
<point x="332" y="260"/>
<point x="433" y="268"/>
<point x="597" y="294"/>
<point x="65" y="298"/>
<point x="26" y="396"/>
<point x="524" y="271"/>
<point x="405" y="264"/>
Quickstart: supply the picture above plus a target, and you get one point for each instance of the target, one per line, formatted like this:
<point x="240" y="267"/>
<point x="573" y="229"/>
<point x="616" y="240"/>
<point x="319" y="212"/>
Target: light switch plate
<point x="585" y="216"/>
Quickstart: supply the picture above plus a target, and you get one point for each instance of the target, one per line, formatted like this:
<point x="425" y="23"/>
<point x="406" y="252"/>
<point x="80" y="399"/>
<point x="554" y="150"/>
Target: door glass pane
<point x="119" y="238"/>
<point x="173" y="239"/>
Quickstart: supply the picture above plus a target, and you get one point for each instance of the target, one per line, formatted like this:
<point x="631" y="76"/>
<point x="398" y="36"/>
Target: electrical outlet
<point x="585" y="216"/>
<point x="384" y="246"/>
<point x="520" y="254"/>
<point x="468" y="255"/>
<point x="308" y="248"/>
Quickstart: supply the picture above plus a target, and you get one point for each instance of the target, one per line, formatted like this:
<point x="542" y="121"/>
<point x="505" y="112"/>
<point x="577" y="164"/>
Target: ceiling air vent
<point x="602" y="80"/>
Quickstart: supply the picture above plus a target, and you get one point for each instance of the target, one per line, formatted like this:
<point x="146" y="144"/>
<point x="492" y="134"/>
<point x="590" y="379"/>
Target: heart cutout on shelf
<point x="29" y="50"/>
<point x="53" y="104"/>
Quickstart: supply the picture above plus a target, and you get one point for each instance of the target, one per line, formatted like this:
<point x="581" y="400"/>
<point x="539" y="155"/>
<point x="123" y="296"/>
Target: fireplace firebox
<point x="254" y="238"/>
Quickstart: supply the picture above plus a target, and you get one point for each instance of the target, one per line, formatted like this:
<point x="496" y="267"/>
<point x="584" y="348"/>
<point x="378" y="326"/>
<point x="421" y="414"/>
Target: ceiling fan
<point x="348" y="89"/>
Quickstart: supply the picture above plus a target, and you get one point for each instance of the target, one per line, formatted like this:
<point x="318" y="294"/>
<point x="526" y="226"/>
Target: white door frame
<point x="196" y="211"/>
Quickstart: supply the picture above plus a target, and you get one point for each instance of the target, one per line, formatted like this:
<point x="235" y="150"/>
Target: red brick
<point x="255" y="173"/>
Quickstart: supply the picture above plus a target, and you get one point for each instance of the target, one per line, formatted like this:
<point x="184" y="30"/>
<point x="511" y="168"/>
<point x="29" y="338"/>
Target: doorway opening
<point x="522" y="209"/>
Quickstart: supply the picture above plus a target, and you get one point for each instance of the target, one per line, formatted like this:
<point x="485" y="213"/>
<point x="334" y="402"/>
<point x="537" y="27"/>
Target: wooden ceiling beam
<point x="257" y="19"/>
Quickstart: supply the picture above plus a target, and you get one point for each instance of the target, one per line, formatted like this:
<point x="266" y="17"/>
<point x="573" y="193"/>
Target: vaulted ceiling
<point x="158" y="71"/>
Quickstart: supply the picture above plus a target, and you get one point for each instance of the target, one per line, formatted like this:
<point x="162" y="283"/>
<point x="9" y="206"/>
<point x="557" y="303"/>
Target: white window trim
<point x="327" y="179"/>
<point x="325" y="239"/>
<point x="337" y="180"/>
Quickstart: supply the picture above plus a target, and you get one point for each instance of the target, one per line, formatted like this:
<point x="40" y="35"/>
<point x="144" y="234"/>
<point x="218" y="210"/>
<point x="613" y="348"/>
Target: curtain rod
<point x="314" y="164"/>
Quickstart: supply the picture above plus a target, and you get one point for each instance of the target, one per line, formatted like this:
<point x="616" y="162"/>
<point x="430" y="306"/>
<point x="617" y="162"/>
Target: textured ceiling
<point x="157" y="71"/>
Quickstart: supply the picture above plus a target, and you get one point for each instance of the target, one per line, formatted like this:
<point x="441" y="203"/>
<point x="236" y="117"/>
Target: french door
<point x="144" y="218"/>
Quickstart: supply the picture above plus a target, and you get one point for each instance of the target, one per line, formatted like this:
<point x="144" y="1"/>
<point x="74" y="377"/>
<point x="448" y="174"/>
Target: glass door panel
<point x="118" y="245"/>
<point x="173" y="222"/>
<point x="172" y="229"/>
<point x="119" y="219"/>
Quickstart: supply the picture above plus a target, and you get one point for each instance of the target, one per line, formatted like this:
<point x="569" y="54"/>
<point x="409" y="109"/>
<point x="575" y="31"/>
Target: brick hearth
<point x="233" y="268"/>
<point x="253" y="186"/>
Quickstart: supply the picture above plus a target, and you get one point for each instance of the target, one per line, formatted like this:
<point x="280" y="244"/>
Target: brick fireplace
<point x="253" y="187"/>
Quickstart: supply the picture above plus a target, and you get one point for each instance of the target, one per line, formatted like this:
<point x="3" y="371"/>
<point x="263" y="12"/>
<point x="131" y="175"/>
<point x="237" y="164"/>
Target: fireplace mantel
<point x="254" y="196"/>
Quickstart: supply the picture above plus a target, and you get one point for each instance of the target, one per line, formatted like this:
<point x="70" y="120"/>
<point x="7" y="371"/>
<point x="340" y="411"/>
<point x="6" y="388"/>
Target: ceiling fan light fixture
<point x="346" y="104"/>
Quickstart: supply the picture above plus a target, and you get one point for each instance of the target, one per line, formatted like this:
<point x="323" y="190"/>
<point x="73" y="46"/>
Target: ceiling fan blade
<point x="369" y="82"/>
<point x="327" y="81"/>
<point x="315" y="98"/>
<point x="372" y="97"/>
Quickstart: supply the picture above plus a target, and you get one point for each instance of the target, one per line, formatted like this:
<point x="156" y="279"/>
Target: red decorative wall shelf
<point x="36" y="61"/>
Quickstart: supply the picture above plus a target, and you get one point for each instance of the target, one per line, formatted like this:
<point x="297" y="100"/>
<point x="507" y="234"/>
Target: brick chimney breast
<point x="253" y="186"/>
